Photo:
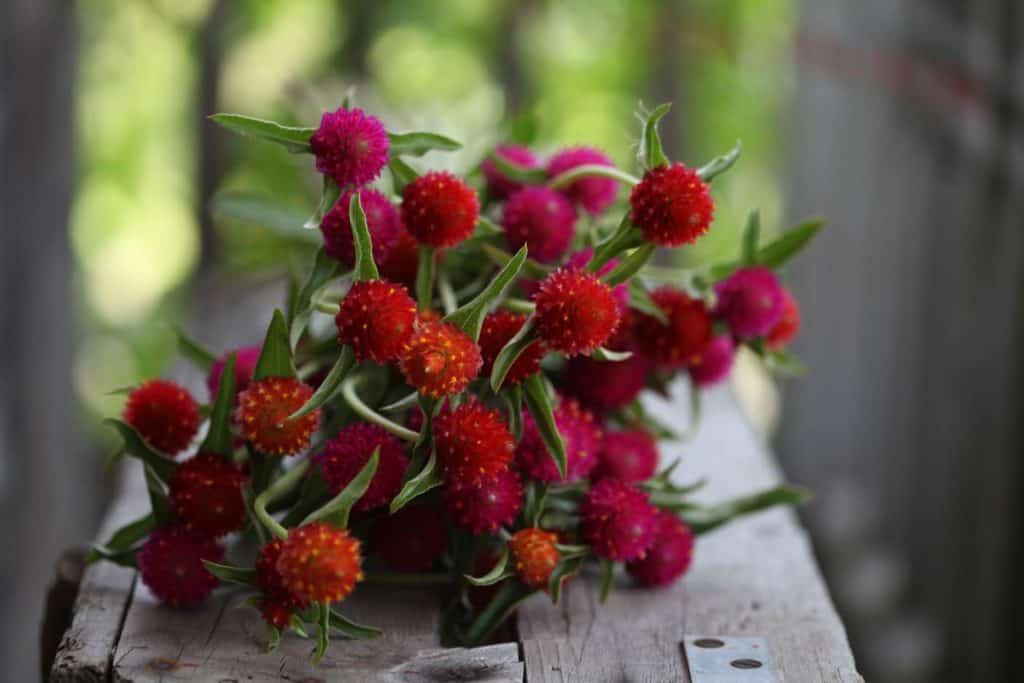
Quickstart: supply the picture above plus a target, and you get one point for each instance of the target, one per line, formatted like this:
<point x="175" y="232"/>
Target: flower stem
<point x="283" y="485"/>
<point x="592" y="171"/>
<point x="519" y="306"/>
<point x="348" y="391"/>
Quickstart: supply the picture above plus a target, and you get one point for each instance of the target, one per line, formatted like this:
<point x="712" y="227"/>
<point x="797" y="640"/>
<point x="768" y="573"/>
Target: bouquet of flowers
<point x="451" y="395"/>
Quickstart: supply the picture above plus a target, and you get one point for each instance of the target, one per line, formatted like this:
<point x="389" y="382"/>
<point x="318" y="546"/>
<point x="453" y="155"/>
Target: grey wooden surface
<point x="756" y="577"/>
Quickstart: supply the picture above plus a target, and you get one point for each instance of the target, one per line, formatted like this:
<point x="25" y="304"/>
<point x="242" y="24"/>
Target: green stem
<point x="520" y="306"/>
<point x="629" y="266"/>
<point x="348" y="391"/>
<point x="283" y="485"/>
<point x="425" y="278"/>
<point x="592" y="171"/>
<point x="327" y="307"/>
<point x="444" y="286"/>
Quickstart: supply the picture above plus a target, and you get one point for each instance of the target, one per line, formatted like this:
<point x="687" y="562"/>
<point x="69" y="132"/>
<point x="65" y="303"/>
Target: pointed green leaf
<point x="425" y="277"/>
<point x="784" y="363"/>
<point x="607" y="577"/>
<point x="526" y="175"/>
<point x="751" y="234"/>
<point x="498" y="573"/>
<point x="625" y="237"/>
<point x="348" y="391"/>
<point x="565" y="570"/>
<point x="470" y="317"/>
<point x="704" y="519"/>
<point x="201" y="357"/>
<point x="640" y="300"/>
<point x="136" y="447"/>
<point x="401" y="174"/>
<point x="323" y="635"/>
<point x="779" y="251"/>
<point x="501" y="606"/>
<point x="337" y="509"/>
<point x="324" y="269"/>
<point x="485" y="227"/>
<point x="276" y="356"/>
<point x="609" y="356"/>
<point x="298" y="626"/>
<point x="157" y="497"/>
<point x="352" y="629"/>
<point x="231" y="574"/>
<point x="630" y="265"/>
<point x="508" y="355"/>
<point x="330" y="387"/>
<point x="293" y="139"/>
<point x="279" y="220"/>
<point x="365" y="268"/>
<point x="533" y="506"/>
<point x="328" y="198"/>
<point x="407" y="401"/>
<point x="123" y="539"/>
<point x="428" y="478"/>
<point x="513" y="397"/>
<point x="219" y="438"/>
<point x="417" y="144"/>
<point x="721" y="164"/>
<point x="500" y="257"/>
<point x="538" y="402"/>
<point x="650" y="153"/>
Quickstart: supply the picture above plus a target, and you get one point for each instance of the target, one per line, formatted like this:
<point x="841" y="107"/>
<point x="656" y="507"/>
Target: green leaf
<point x="533" y="506"/>
<point x="401" y="174"/>
<point x="651" y="155"/>
<point x="323" y="635"/>
<point x="784" y="363"/>
<point x="331" y="386"/>
<point x="136" y="447"/>
<point x="417" y="144"/>
<point x="704" y="519"/>
<point x="513" y="397"/>
<point x="625" y="237"/>
<point x="721" y="164"/>
<point x="485" y="227"/>
<point x="526" y="175"/>
<point x="218" y="438"/>
<point x="500" y="257"/>
<point x="283" y="221"/>
<point x="501" y="606"/>
<point x="630" y="265"/>
<point x="609" y="356"/>
<point x="201" y="357"/>
<point x="640" y="300"/>
<point x="498" y="573"/>
<point x="538" y="402"/>
<point x="751" y="234"/>
<point x="337" y="509"/>
<point x="470" y="317"/>
<point x="779" y="251"/>
<point x="428" y="478"/>
<point x="324" y="269"/>
<point x="328" y="198"/>
<point x="123" y="539"/>
<point x="565" y="570"/>
<point x="293" y="139"/>
<point x="231" y="574"/>
<point x="276" y="356"/>
<point x="425" y="277"/>
<point x="407" y="401"/>
<point x="298" y="626"/>
<point x="157" y="497"/>
<point x="365" y="268"/>
<point x="508" y="355"/>
<point x="352" y="629"/>
<point x="607" y="577"/>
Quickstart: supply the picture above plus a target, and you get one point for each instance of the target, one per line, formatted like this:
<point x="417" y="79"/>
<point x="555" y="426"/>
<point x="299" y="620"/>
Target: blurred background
<point x="898" y="120"/>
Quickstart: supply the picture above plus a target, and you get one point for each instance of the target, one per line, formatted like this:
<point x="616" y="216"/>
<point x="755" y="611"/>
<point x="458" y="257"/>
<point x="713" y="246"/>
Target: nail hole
<point x="746" y="664"/>
<point x="708" y="643"/>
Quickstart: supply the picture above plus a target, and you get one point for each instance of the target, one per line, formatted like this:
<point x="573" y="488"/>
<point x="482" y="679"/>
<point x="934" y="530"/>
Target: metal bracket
<point x="729" y="659"/>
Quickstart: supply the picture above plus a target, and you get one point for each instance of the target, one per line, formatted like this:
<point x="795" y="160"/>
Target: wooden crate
<point x="756" y="577"/>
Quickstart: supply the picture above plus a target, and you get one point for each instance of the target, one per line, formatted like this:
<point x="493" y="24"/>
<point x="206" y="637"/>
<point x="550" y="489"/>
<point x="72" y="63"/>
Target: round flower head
<point x="205" y="493"/>
<point x="580" y="259"/>
<point x="500" y="186"/>
<point x="535" y="556"/>
<point x="487" y="505"/>
<point x="376" y="318"/>
<point x="617" y="520"/>
<point x="580" y="435"/>
<point x="789" y="324"/>
<point x="540" y="218"/>
<point x="714" y="362"/>
<point x="630" y="456"/>
<point x="686" y="335"/>
<point x="263" y="411"/>
<point x="319" y="563"/>
<point x="346" y="454"/>
<point x="603" y="386"/>
<point x="576" y="312"/>
<point x="245" y="363"/>
<point x="439" y="209"/>
<point x="440" y="359"/>
<point x="277" y="604"/>
<point x="350" y="146"/>
<point x="498" y="329"/>
<point x="401" y="262"/>
<point x="412" y="539"/>
<point x="751" y="300"/>
<point x="473" y="444"/>
<point x="672" y="206"/>
<point x="593" y="194"/>
<point x="381" y="219"/>
<point x="164" y="414"/>
<point x="171" y="565"/>
<point x="669" y="557"/>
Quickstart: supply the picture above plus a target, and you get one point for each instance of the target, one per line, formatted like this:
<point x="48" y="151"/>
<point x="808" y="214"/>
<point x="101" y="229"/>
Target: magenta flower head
<point x="350" y="146"/>
<point x="751" y="300"/>
<point x="381" y="218"/>
<point x="593" y="194"/>
<point x="602" y="386"/>
<point x="540" y="218"/>
<point x="714" y="362"/>
<point x="245" y="362"/>
<point x="500" y="186"/>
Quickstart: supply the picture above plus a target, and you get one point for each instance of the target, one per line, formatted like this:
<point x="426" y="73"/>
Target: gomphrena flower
<point x="617" y="520"/>
<point x="672" y="206"/>
<point x="440" y="359"/>
<point x="473" y="444"/>
<point x="580" y="434"/>
<point x="412" y="539"/>
<point x="350" y="146"/>
<point x="534" y="556"/>
<point x="205" y="493"/>
<point x="164" y="414"/>
<point x="687" y="334"/>
<point x="669" y="557"/>
<point x="576" y="312"/>
<point x="602" y="386"/>
<point x="714" y="362"/>
<point x="498" y="329"/>
<point x="263" y="411"/>
<point x="382" y="220"/>
<point x="580" y="259"/>
<point x="487" y="505"/>
<point x="401" y="263"/>
<point x="277" y="604"/>
<point x="376" y="318"/>
<point x="751" y="300"/>
<point x="346" y="454"/>
<point x="786" y="329"/>
<point x="500" y="186"/>
<point x="439" y="210"/>
<point x="171" y="565"/>
<point x="319" y="563"/>
<point x="594" y="194"/>
<point x="245" y="362"/>
<point x="630" y="455"/>
<point x="540" y="218"/>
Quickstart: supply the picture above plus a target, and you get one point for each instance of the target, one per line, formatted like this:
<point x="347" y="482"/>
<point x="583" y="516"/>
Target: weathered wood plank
<point x="756" y="577"/>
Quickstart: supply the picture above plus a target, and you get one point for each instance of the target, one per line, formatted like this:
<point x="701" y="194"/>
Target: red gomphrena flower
<point x="684" y="338"/>
<point x="346" y="454"/>
<point x="246" y="358"/>
<point x="714" y="362"/>
<point x="473" y="444"/>
<point x="171" y="565"/>
<point x="498" y="329"/>
<point x="263" y="411"/>
<point x="412" y="539"/>
<point x="669" y="557"/>
<point x="602" y="386"/>
<point x="540" y="218"/>
<point x="401" y="262"/>
<point x="382" y="220"/>
<point x="576" y="312"/>
<point x="320" y="563"/>
<point x="593" y="194"/>
<point x="580" y="259"/>
<point x="439" y="210"/>
<point x="581" y="436"/>
<point x="205" y="493"/>
<point x="500" y="186"/>
<point x="786" y="329"/>
<point x="630" y="456"/>
<point x="277" y="604"/>
<point x="617" y="520"/>
<point x="376" y="318"/>
<point x="534" y="556"/>
<point x="672" y="206"/>
<point x="350" y="146"/>
<point x="751" y="300"/>
<point x="440" y="359"/>
<point x="486" y="506"/>
<point x="164" y="414"/>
